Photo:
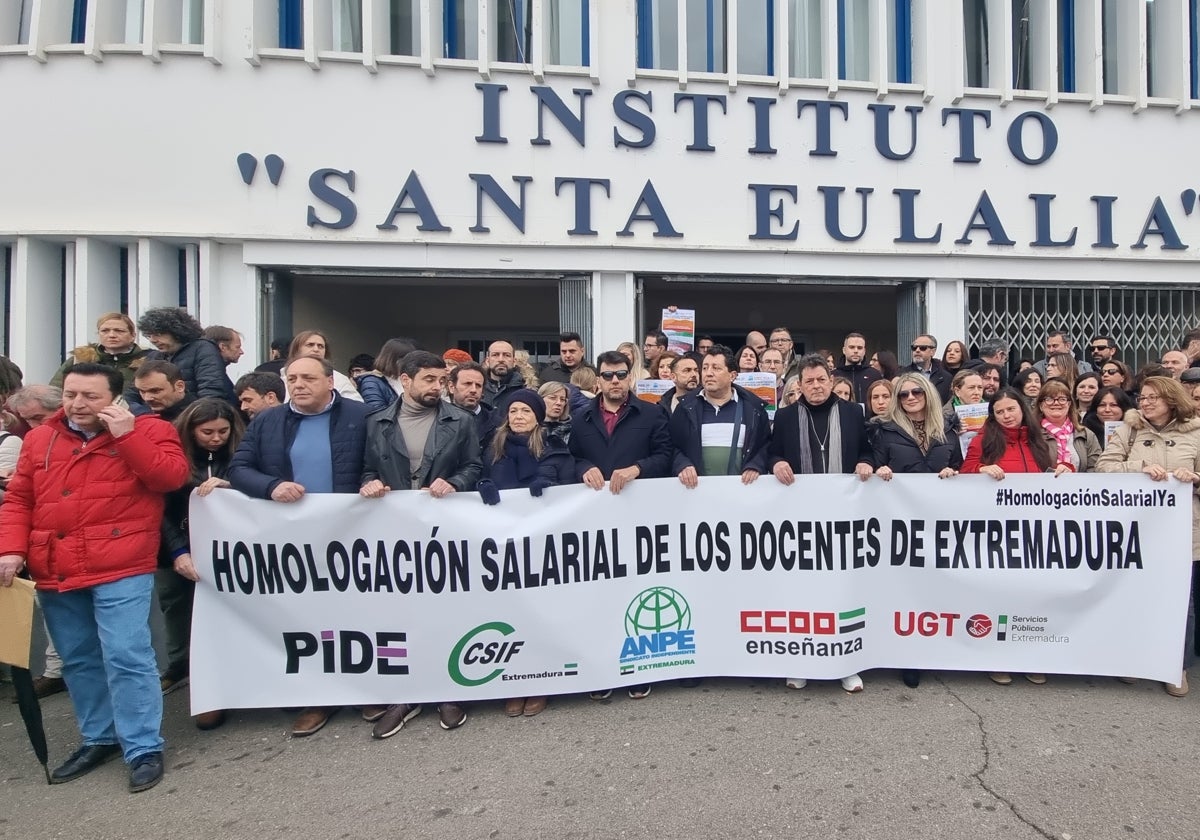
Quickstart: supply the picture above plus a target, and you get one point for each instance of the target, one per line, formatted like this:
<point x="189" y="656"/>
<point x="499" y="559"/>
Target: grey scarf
<point x="831" y="455"/>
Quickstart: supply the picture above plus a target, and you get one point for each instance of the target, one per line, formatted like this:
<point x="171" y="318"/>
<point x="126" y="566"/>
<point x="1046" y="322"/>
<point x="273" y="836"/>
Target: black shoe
<point x="690" y="682"/>
<point x="145" y="772"/>
<point x="911" y="677"/>
<point x="83" y="761"/>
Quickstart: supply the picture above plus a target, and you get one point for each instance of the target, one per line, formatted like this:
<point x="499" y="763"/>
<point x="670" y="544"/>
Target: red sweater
<point x="1017" y="457"/>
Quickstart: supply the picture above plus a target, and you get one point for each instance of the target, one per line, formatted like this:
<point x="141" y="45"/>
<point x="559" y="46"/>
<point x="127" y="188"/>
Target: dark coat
<point x="641" y="437"/>
<point x="202" y="368"/>
<point x="497" y="393"/>
<point x="556" y="466"/>
<point x="554" y="371"/>
<point x="894" y="448"/>
<point x="937" y="375"/>
<point x="685" y="432"/>
<point x="668" y="398"/>
<point x="860" y="375"/>
<point x="262" y="459"/>
<point x="451" y="452"/>
<point x="376" y="391"/>
<point x="175" y="538"/>
<point x="785" y="439"/>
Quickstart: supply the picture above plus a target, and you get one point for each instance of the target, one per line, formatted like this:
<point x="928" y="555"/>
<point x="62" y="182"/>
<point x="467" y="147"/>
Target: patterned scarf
<point x="1064" y="436"/>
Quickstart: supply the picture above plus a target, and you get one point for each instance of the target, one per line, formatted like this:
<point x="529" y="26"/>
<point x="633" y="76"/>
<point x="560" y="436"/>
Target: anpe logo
<point x="979" y="626"/>
<point x="472" y="658"/>
<point x="346" y="651"/>
<point x="658" y="623"/>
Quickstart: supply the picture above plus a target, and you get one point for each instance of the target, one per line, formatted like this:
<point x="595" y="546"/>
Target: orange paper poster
<point x="680" y="327"/>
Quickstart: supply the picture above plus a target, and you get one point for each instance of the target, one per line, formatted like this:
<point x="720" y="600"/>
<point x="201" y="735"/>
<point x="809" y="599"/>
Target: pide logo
<point x="485" y="652"/>
<point x="825" y="633"/>
<point x="346" y="652"/>
<point x="658" y="631"/>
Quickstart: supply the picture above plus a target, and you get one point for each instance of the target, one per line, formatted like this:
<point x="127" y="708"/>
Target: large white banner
<point x="341" y="600"/>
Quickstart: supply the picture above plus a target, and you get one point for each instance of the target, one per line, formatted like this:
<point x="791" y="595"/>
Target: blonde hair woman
<point x="637" y="365"/>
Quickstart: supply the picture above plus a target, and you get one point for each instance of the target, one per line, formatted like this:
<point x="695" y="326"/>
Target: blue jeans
<point x="103" y="636"/>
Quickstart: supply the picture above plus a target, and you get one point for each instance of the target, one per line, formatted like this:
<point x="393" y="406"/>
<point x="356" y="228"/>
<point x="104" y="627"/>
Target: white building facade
<point x="458" y="170"/>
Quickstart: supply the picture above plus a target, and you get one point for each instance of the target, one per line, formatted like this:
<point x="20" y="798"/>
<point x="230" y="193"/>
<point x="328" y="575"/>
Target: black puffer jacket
<point x="896" y="449"/>
<point x="202" y="368"/>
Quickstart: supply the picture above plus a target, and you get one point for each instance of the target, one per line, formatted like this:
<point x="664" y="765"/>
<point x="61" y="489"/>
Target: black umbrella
<point x="31" y="713"/>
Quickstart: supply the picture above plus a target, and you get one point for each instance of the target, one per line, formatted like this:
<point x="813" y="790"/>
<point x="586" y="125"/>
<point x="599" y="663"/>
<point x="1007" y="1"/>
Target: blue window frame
<point x="707" y="37"/>
<point x="79" y="21"/>
<point x="902" y="41"/>
<point x="853" y="40"/>
<point x="291" y="24"/>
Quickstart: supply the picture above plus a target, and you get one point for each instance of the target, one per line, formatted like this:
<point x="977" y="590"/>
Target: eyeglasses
<point x="1056" y="400"/>
<point x="1149" y="398"/>
<point x="1110" y="371"/>
<point x="610" y="375"/>
<point x="915" y="392"/>
<point x="922" y="347"/>
<point x="781" y="340"/>
<point x="1097" y="347"/>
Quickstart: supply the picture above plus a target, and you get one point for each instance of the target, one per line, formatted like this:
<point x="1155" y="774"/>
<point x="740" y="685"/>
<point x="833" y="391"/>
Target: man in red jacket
<point x="83" y="513"/>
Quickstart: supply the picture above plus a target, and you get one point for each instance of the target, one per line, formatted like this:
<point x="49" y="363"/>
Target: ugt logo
<point x="346" y="651"/>
<point x="480" y="648"/>
<point x="658" y="622"/>
<point x="979" y="626"/>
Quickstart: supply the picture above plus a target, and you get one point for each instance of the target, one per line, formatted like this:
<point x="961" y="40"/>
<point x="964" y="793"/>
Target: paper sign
<point x="762" y="385"/>
<point x="680" y="327"/>
<point x="1110" y="429"/>
<point x="651" y="390"/>
<point x="971" y="419"/>
<point x="16" y="622"/>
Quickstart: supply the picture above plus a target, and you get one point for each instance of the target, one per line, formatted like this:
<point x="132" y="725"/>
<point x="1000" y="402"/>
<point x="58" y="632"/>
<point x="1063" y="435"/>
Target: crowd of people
<point x="99" y="464"/>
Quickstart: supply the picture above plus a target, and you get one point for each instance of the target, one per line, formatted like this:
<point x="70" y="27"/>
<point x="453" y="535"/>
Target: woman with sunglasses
<point x="1012" y="441"/>
<point x="1161" y="438"/>
<point x="1073" y="443"/>
<point x="1115" y="374"/>
<point x="913" y="436"/>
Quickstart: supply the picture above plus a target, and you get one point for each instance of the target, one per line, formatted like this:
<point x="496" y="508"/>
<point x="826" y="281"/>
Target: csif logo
<point x="474" y="658"/>
<point x="346" y="651"/>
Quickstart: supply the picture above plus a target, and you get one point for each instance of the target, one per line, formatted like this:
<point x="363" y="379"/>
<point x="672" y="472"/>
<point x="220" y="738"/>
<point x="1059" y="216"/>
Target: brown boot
<point x="514" y="707"/>
<point x="534" y="705"/>
<point x="311" y="720"/>
<point x="210" y="720"/>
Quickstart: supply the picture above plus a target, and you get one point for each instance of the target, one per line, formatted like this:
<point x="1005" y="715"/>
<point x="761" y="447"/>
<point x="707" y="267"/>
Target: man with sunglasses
<point x="1103" y="348"/>
<point x="617" y="439"/>
<point x="923" y="349"/>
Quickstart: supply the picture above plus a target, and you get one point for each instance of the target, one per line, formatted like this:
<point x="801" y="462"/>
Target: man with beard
<point x="466" y="392"/>
<point x="923" y="348"/>
<point x="820" y="434"/>
<point x="686" y="372"/>
<point x="503" y="377"/>
<point x="855" y="368"/>
<point x="993" y="379"/>
<point x="420" y="442"/>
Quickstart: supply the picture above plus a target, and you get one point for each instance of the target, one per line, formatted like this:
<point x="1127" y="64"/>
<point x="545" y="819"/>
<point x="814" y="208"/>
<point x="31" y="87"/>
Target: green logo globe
<point x="657" y="609"/>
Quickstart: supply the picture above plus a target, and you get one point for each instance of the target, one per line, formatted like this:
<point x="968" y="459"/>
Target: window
<point x="756" y="37"/>
<point x="346" y="25"/>
<point x="1066" y="46"/>
<point x="804" y="42"/>
<point x="1194" y="45"/>
<point x="134" y="18"/>
<point x="460" y="23"/>
<point x="404" y="27"/>
<point x="1164" y="50"/>
<point x="854" y="40"/>
<point x="899" y="26"/>
<point x="1022" y="77"/>
<point x="1110" y="42"/>
<point x="514" y="30"/>
<point x="568" y="33"/>
<point x="975" y="44"/>
<point x="79" y="13"/>
<point x="291" y="24"/>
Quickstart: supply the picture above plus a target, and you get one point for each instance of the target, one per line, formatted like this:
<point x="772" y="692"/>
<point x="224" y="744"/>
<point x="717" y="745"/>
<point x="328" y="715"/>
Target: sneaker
<point x="1036" y="679"/>
<point x="852" y="684"/>
<point x="639" y="692"/>
<point x="145" y="772"/>
<point x="393" y="719"/>
<point x="373" y="713"/>
<point x="1000" y="678"/>
<point x="1180" y="689"/>
<point x="172" y="680"/>
<point x="451" y="716"/>
<point x="796" y="682"/>
<point x="601" y="695"/>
